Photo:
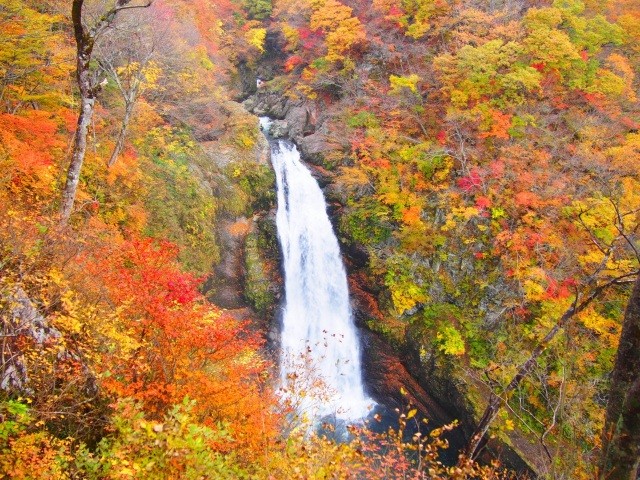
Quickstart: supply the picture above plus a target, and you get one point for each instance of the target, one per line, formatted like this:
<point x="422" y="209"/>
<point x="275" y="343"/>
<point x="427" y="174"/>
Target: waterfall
<point x="320" y="371"/>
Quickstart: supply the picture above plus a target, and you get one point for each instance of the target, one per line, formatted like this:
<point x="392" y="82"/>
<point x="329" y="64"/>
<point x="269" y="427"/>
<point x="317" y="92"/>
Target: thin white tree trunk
<point x="122" y="135"/>
<point x="77" y="159"/>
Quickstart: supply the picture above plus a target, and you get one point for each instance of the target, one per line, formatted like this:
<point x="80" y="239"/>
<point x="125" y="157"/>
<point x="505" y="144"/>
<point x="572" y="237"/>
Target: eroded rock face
<point x="225" y="288"/>
<point x="314" y="148"/>
<point x="302" y="122"/>
<point x="25" y="321"/>
<point x="427" y="379"/>
<point x="388" y="368"/>
<point x="387" y="377"/>
<point x="267" y="103"/>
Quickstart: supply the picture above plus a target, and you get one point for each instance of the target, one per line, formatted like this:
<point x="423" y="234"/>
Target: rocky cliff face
<point x="235" y="171"/>
<point x="301" y="121"/>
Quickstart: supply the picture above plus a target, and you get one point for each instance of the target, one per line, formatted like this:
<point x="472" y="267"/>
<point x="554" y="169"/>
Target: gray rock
<point x="267" y="103"/>
<point x="298" y="118"/>
<point x="28" y="320"/>
<point x="224" y="288"/>
<point x="260" y="109"/>
<point x="314" y="147"/>
<point x="279" y="129"/>
<point x="24" y="321"/>
<point x="250" y="103"/>
<point x="335" y="193"/>
<point x="279" y="109"/>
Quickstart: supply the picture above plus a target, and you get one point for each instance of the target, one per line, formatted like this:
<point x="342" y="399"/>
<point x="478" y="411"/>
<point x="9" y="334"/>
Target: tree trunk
<point x="84" y="49"/>
<point x="77" y="158"/>
<point x="85" y="40"/>
<point x="621" y="433"/>
<point x="495" y="401"/>
<point x="128" y="112"/>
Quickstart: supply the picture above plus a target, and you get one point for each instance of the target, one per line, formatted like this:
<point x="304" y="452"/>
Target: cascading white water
<point x="320" y="367"/>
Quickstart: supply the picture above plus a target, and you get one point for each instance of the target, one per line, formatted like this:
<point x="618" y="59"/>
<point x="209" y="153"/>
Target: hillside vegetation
<point x="484" y="155"/>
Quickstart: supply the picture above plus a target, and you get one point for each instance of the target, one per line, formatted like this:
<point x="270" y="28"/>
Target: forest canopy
<point x="482" y="160"/>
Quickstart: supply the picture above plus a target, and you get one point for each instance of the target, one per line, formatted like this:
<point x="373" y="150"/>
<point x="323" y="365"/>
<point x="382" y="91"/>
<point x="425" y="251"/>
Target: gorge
<point x="317" y="304"/>
<point x="443" y="220"/>
<point x="320" y="350"/>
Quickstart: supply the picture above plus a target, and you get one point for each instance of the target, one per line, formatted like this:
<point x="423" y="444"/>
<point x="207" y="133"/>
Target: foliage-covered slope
<point x="114" y="365"/>
<point x="485" y="154"/>
<point x="489" y="165"/>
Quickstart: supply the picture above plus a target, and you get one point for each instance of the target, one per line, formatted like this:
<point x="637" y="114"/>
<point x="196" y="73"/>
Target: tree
<point x="185" y="346"/>
<point x="621" y="434"/>
<point x="258" y="9"/>
<point x="497" y="401"/>
<point x="343" y="31"/>
<point x="614" y="264"/>
<point x="89" y="86"/>
<point x="32" y="57"/>
<point x="128" y="57"/>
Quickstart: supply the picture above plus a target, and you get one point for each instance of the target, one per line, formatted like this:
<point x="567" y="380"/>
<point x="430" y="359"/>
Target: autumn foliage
<point x="485" y="162"/>
<point x="103" y="328"/>
<point x="488" y="168"/>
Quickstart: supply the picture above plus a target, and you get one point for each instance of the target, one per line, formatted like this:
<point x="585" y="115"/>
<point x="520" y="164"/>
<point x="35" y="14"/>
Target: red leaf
<point x="539" y="66"/>
<point x="482" y="203"/>
<point x="470" y="182"/>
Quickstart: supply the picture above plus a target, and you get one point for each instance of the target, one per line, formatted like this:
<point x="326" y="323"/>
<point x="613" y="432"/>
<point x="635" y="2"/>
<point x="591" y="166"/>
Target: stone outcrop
<point x="225" y="288"/>
<point x="301" y="121"/>
<point x="279" y="129"/>
<point x="24" y="321"/>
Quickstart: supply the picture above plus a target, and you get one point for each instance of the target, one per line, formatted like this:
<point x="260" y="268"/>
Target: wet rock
<point x="299" y="118"/>
<point x="250" y="103"/>
<point x="386" y="379"/>
<point x="272" y="275"/>
<point x="259" y="290"/>
<point x="357" y="254"/>
<point x="279" y="109"/>
<point x="323" y="176"/>
<point x="270" y="104"/>
<point x="314" y="148"/>
<point x="225" y="287"/>
<point x="434" y="372"/>
<point x="279" y="129"/>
